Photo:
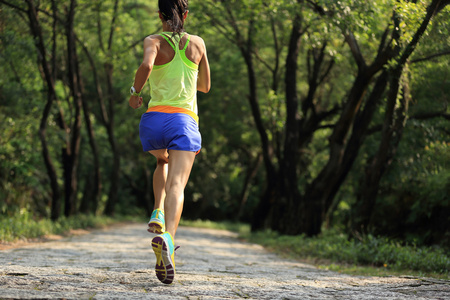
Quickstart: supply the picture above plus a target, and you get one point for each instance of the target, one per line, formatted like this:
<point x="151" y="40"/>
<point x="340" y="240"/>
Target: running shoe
<point x="165" y="263"/>
<point x="157" y="223"/>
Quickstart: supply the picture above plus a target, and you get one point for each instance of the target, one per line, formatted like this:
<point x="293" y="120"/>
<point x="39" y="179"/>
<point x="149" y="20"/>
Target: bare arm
<point x="151" y="47"/>
<point x="204" y="76"/>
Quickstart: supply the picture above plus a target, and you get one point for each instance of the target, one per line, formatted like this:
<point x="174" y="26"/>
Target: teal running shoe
<point x="157" y="223"/>
<point x="165" y="263"/>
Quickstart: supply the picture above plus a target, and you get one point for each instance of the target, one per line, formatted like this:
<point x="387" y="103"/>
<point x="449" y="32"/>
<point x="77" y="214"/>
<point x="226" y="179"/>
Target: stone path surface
<point x="117" y="263"/>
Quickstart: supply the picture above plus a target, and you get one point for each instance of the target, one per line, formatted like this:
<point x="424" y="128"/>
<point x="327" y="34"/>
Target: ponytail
<point x="172" y="12"/>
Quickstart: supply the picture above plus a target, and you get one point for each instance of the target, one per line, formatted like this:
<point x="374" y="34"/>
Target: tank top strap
<point x="168" y="39"/>
<point x="187" y="42"/>
<point x="175" y="41"/>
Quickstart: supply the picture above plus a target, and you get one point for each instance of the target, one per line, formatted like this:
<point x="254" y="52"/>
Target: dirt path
<point x="117" y="263"/>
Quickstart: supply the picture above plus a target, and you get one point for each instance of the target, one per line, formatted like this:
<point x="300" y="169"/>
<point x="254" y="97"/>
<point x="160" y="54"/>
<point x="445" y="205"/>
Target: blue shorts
<point x="172" y="131"/>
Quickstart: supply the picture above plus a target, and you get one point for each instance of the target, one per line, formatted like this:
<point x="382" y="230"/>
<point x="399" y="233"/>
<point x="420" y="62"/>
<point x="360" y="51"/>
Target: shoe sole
<point x="154" y="226"/>
<point x="164" y="266"/>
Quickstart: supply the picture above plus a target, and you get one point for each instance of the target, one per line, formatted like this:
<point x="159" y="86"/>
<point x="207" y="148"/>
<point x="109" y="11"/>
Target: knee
<point x="174" y="187"/>
<point x="162" y="161"/>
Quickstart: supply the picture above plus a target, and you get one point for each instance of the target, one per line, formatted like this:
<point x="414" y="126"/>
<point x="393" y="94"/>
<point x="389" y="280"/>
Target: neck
<point x="166" y="27"/>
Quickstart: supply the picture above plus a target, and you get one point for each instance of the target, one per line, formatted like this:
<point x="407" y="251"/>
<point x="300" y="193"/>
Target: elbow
<point x="204" y="89"/>
<point x="203" y="86"/>
<point x="146" y="67"/>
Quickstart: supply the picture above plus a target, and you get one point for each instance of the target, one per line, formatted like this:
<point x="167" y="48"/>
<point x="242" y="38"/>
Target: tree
<point x="284" y="206"/>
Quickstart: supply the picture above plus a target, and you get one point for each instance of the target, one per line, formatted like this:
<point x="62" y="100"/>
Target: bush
<point x="369" y="251"/>
<point x="22" y="225"/>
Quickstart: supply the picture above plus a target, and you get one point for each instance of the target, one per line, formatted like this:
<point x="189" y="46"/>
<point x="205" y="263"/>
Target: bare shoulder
<point x="198" y="41"/>
<point x="153" y="39"/>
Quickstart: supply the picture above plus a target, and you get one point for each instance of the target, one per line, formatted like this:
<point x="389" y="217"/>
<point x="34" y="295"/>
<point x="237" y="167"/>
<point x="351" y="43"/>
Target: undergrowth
<point x="370" y="251"/>
<point x="378" y="256"/>
<point x="331" y="250"/>
<point x="23" y="226"/>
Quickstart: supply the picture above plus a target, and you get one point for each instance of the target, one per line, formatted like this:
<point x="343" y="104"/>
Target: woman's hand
<point x="135" y="101"/>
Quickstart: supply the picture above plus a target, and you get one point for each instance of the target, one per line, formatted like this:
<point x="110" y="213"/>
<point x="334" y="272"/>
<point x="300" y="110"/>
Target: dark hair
<point x="172" y="12"/>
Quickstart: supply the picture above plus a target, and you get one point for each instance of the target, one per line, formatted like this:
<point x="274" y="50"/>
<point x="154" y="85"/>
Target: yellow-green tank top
<point x="174" y="84"/>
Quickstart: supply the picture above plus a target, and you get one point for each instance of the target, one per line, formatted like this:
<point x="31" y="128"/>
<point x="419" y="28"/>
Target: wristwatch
<point x="133" y="92"/>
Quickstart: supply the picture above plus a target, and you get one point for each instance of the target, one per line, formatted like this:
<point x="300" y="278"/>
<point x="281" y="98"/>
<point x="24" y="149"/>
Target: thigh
<point x="180" y="166"/>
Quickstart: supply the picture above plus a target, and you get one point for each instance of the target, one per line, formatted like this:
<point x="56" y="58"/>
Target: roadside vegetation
<point x="23" y="227"/>
<point x="334" y="250"/>
<point x="331" y="250"/>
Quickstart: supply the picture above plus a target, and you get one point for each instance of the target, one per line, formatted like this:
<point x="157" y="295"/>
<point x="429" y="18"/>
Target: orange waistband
<point x="172" y="109"/>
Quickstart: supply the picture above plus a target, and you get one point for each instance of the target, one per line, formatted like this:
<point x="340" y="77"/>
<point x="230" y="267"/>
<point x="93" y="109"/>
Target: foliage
<point x="333" y="250"/>
<point x="229" y="175"/>
<point x="24" y="225"/>
<point x="370" y="251"/>
<point x="241" y="228"/>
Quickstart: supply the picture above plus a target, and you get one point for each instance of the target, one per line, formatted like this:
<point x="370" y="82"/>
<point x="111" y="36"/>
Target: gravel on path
<point x="118" y="263"/>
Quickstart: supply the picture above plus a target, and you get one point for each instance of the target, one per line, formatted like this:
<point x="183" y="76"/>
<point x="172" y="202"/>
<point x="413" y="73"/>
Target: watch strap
<point x="133" y="92"/>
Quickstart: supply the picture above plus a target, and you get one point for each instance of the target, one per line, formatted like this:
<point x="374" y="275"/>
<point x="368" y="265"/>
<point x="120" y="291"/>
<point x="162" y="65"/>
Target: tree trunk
<point x="114" y="176"/>
<point x="393" y="125"/>
<point x="51" y="96"/>
<point x="252" y="170"/>
<point x="107" y="118"/>
<point x="288" y="177"/>
<point x="343" y="150"/>
<point x="267" y="151"/>
<point x="93" y="194"/>
<point x="265" y="203"/>
<point x="71" y="153"/>
<point x="325" y="185"/>
<point x="392" y="131"/>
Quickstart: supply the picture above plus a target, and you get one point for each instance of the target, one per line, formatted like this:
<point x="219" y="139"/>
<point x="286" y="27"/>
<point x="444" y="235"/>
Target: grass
<point x="242" y="229"/>
<point x="372" y="256"/>
<point x="22" y="226"/>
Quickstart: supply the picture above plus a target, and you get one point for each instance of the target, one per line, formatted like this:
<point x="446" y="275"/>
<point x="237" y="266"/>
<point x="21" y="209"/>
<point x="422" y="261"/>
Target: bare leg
<point x="156" y="223"/>
<point x="159" y="184"/>
<point x="160" y="177"/>
<point x="180" y="166"/>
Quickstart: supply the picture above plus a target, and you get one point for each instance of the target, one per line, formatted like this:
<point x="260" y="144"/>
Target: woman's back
<point x="173" y="79"/>
<point x="194" y="51"/>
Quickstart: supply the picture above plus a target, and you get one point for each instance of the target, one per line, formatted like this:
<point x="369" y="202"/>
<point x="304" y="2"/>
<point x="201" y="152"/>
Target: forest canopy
<point x="321" y="113"/>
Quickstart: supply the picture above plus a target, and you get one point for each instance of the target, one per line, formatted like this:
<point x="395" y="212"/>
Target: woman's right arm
<point x="204" y="76"/>
<point x="144" y="70"/>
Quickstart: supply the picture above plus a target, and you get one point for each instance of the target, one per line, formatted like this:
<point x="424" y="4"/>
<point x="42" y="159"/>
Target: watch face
<point x="132" y="90"/>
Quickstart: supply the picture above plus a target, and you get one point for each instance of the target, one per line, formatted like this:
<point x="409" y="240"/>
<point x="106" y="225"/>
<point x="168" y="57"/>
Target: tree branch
<point x="431" y="115"/>
<point x="317" y="8"/>
<point x="113" y="24"/>
<point x="447" y="52"/>
<point x="221" y="28"/>
<point x="14" y="6"/>
<point x="266" y="64"/>
<point x="139" y="41"/>
<point x="431" y="11"/>
<point x="354" y="47"/>
<point x="442" y="5"/>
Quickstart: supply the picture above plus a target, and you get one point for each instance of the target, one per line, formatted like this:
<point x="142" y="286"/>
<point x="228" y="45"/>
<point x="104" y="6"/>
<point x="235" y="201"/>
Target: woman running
<point x="177" y="67"/>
